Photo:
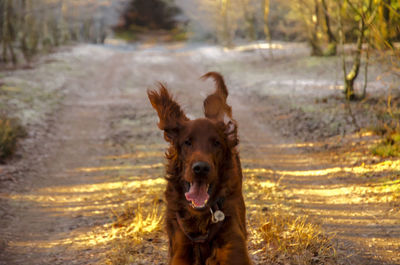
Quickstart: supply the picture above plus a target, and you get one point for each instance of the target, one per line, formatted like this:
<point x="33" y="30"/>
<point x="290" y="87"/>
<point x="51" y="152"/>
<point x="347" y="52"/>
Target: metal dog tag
<point x="218" y="216"/>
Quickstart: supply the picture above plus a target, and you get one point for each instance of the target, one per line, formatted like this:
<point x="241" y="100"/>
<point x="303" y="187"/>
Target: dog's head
<point x="201" y="145"/>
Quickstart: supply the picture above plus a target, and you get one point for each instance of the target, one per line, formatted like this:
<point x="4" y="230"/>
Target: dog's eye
<point x="188" y="143"/>
<point x="217" y="143"/>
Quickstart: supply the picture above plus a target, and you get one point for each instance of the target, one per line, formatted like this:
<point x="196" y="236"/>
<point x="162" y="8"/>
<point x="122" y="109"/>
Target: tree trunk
<point x="226" y="36"/>
<point x="8" y="32"/>
<point x="332" y="42"/>
<point x="352" y="75"/>
<point x="331" y="37"/>
<point x="267" y="32"/>
<point x="249" y="20"/>
<point x="266" y="15"/>
<point x="364" y="94"/>
<point x="30" y="32"/>
<point x="4" y="31"/>
<point x="314" y="40"/>
<point x="12" y="53"/>
<point x="383" y="40"/>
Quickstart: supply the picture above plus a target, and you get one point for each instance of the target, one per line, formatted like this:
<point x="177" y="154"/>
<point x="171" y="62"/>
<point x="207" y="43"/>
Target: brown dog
<point x="205" y="217"/>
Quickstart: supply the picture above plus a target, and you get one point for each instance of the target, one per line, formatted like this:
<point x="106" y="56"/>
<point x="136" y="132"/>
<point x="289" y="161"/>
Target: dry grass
<point x="276" y="238"/>
<point x="137" y="223"/>
<point x="139" y="236"/>
<point x="284" y="238"/>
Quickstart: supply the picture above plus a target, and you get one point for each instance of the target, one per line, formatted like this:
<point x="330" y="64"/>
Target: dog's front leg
<point x="230" y="255"/>
<point x="180" y="260"/>
<point x="232" y="252"/>
<point x="181" y="250"/>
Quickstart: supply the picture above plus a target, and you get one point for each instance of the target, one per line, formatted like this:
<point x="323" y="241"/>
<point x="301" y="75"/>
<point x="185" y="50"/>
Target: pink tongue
<point x="197" y="194"/>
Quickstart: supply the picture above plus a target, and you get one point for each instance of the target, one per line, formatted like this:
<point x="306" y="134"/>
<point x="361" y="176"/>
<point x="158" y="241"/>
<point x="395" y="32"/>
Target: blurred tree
<point x="227" y="33"/>
<point x="29" y="30"/>
<point x="315" y="35"/>
<point x="364" y="13"/>
<point x="316" y="20"/>
<point x="8" y="33"/>
<point x="225" y="16"/>
<point x="386" y="28"/>
<point x="148" y="15"/>
<point x="249" y="19"/>
<point x="28" y="27"/>
<point x="266" y="8"/>
<point x="384" y="24"/>
<point x="332" y="42"/>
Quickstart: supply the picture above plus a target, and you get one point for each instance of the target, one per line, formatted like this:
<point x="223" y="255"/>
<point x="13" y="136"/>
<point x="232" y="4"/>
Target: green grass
<point x="388" y="147"/>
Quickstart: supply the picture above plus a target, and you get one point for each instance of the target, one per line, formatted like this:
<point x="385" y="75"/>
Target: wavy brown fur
<point x="215" y="104"/>
<point x="212" y="141"/>
<point x="170" y="113"/>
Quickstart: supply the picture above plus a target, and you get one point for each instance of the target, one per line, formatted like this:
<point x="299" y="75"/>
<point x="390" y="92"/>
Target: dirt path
<point x="51" y="205"/>
<point x="104" y="153"/>
<point x="323" y="184"/>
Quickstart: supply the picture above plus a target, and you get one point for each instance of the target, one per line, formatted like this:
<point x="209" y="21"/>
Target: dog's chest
<point x="196" y="225"/>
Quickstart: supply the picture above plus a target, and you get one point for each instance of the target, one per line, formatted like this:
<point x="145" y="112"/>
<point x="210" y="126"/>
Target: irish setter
<point x="205" y="217"/>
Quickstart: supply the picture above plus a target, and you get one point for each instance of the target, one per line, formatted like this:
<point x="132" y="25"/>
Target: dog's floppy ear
<point x="216" y="108"/>
<point x="230" y="130"/>
<point x="170" y="113"/>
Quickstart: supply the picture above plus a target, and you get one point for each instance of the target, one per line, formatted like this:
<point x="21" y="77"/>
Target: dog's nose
<point x="201" y="168"/>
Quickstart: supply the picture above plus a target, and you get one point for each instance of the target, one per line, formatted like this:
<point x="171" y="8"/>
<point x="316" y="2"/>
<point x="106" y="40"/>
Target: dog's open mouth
<point x="197" y="194"/>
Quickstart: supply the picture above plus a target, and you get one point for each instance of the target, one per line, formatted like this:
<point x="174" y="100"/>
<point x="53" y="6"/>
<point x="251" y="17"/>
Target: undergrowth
<point x="10" y="131"/>
<point x="388" y="147"/>
<point x="289" y="239"/>
<point x="128" y="36"/>
<point x="388" y="128"/>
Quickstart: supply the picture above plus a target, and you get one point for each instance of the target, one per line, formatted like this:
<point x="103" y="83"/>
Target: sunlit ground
<point x="256" y="46"/>
<point x="114" y="187"/>
<point x="295" y="196"/>
<point x="349" y="195"/>
<point x="133" y="200"/>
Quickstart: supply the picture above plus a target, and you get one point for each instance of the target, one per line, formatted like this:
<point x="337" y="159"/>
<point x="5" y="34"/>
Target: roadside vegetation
<point x="10" y="132"/>
<point x="389" y="147"/>
<point x="388" y="127"/>
<point x="351" y="139"/>
<point x="275" y="237"/>
<point x="156" y="19"/>
<point x="288" y="238"/>
<point x="31" y="27"/>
